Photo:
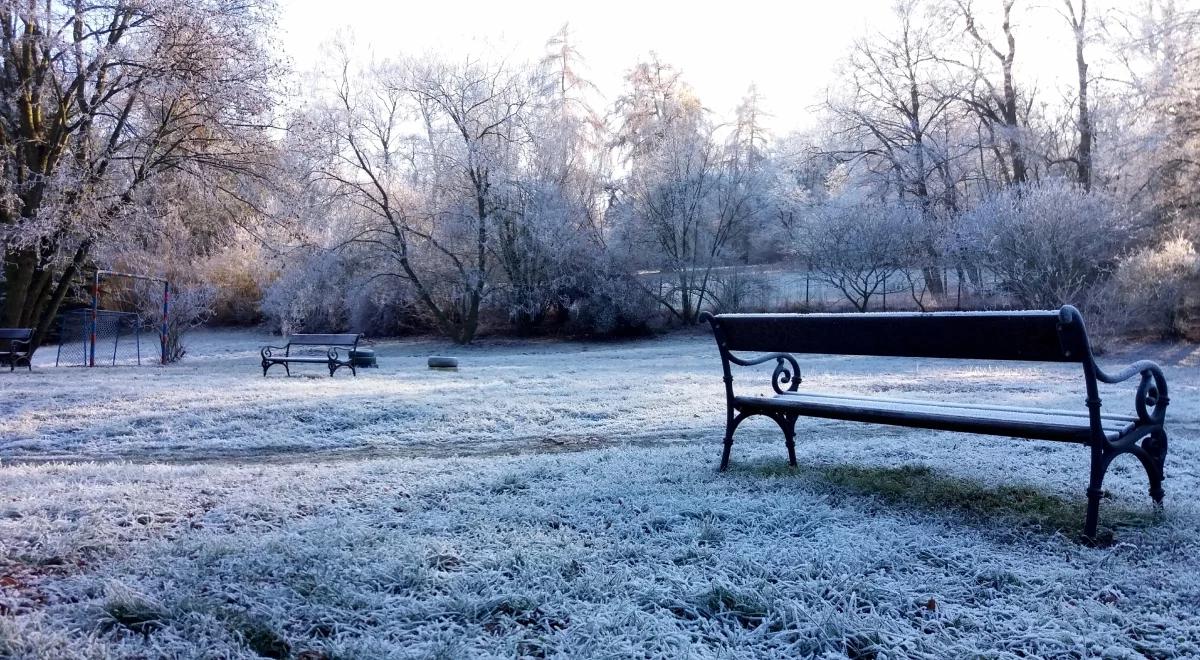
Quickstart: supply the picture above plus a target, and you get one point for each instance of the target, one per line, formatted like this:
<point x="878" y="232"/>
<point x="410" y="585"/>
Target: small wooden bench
<point x="1040" y="336"/>
<point x="313" y="349"/>
<point x="16" y="346"/>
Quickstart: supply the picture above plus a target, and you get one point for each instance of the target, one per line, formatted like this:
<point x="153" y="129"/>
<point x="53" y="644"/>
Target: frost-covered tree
<point x="893" y="119"/>
<point x="100" y="100"/>
<point x="427" y="152"/>
<point x="687" y="196"/>
<point x="994" y="95"/>
<point x="551" y="226"/>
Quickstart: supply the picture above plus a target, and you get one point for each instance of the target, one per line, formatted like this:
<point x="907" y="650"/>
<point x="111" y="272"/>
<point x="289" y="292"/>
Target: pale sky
<point x="789" y="48"/>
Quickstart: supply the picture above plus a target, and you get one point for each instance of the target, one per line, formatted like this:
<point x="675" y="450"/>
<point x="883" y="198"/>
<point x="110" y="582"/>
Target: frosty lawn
<point x="562" y="499"/>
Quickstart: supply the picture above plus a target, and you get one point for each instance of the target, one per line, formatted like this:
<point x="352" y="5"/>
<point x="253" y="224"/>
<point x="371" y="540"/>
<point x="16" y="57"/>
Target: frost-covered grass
<point x="561" y="499"/>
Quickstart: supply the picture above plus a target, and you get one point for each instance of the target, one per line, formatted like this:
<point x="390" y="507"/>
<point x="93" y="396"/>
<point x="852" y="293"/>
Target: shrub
<point x="1148" y="287"/>
<point x="238" y="276"/>
<point x="735" y="290"/>
<point x="1050" y="243"/>
<point x="856" y="246"/>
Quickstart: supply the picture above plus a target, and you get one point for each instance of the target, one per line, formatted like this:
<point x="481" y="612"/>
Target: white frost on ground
<point x="412" y="513"/>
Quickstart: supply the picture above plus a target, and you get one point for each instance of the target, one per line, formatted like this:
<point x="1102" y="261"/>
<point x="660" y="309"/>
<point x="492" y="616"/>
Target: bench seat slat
<point x="972" y="406"/>
<point x="1032" y="423"/>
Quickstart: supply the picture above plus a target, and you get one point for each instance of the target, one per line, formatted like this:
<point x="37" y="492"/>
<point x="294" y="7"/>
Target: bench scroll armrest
<point x="268" y="351"/>
<point x="334" y="353"/>
<point x="1151" y="402"/>
<point x="787" y="370"/>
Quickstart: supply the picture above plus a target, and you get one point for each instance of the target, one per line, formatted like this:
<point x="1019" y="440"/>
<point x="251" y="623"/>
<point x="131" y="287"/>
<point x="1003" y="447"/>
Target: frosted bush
<point x="1050" y="242"/>
<point x="1148" y="286"/>
<point x="310" y="294"/>
<point x="191" y="307"/>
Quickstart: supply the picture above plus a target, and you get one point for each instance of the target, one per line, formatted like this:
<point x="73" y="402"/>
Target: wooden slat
<point x="1027" y="424"/>
<point x="967" y="406"/>
<point x="16" y="333"/>
<point x="1034" y="336"/>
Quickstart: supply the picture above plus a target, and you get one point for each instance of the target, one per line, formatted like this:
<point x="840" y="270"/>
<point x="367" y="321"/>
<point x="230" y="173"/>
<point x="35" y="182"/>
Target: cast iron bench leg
<point x="1155" y="460"/>
<point x="1095" y="492"/>
<point x="731" y="424"/>
<point x="789" y="434"/>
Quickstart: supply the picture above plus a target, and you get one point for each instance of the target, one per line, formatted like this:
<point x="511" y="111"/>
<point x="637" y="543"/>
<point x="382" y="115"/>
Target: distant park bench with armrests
<point x="16" y="346"/>
<point x="1038" y="336"/>
<point x="334" y="351"/>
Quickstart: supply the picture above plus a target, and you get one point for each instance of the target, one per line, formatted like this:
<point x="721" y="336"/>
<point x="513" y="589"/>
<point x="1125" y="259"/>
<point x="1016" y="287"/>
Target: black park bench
<point x="16" y="347"/>
<point x="1038" y="336"/>
<point x="334" y="351"/>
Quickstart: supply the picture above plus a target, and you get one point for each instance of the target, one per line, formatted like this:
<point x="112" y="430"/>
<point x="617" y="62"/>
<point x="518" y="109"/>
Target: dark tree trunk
<point x="1083" y="152"/>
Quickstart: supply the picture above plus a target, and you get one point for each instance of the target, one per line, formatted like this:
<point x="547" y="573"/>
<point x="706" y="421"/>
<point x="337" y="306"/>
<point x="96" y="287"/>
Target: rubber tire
<point x="438" y="362"/>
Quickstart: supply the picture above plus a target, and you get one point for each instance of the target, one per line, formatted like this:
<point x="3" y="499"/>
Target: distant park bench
<point x="334" y="351"/>
<point x="1031" y="336"/>
<point x="16" y="345"/>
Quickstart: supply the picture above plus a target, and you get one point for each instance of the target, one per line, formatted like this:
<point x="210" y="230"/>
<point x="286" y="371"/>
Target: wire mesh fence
<point x="115" y="340"/>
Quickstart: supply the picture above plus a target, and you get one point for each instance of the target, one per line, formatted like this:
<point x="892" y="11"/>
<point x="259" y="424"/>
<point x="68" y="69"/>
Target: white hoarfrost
<point x="556" y="499"/>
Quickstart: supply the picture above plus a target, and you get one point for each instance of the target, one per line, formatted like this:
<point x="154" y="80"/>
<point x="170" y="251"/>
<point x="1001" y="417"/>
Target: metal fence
<point x="779" y="288"/>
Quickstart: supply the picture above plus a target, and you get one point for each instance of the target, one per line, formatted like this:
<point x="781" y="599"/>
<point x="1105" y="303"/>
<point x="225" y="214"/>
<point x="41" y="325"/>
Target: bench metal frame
<point x="335" y="345"/>
<point x="15" y="338"/>
<point x="1028" y="336"/>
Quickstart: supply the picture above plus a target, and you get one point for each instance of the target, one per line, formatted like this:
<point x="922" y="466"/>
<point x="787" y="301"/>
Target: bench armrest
<point x="268" y="351"/>
<point x="787" y="370"/>
<point x="1151" y="402"/>
<point x="334" y="352"/>
<point x="13" y="343"/>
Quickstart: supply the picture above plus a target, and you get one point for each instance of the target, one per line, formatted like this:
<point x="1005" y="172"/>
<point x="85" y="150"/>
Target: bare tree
<point x="998" y="106"/>
<point x="429" y="201"/>
<point x="688" y="197"/>
<point x="858" y="246"/>
<point x="893" y="119"/>
<point x="1077" y="19"/>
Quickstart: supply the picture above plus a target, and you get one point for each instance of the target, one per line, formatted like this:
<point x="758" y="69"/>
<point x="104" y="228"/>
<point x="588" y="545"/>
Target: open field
<point x="561" y="499"/>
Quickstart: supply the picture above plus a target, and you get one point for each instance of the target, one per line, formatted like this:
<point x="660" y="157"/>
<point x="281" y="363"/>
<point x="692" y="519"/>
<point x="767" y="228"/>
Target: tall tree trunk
<point x="1083" y="152"/>
<point x="1007" y="101"/>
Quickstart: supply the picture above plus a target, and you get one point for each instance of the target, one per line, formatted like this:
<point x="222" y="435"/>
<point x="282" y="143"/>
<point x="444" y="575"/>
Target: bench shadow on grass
<point x="1001" y="508"/>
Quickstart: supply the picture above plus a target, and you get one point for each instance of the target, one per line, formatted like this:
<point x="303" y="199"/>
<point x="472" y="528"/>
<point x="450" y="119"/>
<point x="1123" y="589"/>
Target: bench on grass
<point x="334" y="351"/>
<point x="1039" y="336"/>
<point x="16" y="346"/>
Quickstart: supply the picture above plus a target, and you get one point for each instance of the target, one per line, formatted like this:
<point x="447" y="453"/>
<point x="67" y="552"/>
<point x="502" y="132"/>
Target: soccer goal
<point x="125" y="308"/>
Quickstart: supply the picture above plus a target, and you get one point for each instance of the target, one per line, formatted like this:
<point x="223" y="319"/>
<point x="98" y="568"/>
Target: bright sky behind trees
<point x="789" y="49"/>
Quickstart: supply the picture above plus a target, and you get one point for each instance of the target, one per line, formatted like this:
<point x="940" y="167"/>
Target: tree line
<point x="421" y="192"/>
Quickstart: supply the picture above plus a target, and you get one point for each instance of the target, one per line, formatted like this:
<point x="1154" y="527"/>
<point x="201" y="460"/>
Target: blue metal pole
<point x="166" y="310"/>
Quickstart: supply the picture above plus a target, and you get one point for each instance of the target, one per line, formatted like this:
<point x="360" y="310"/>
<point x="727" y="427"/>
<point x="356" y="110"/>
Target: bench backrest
<point x="323" y="340"/>
<point x="19" y="334"/>
<point x="1041" y="336"/>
